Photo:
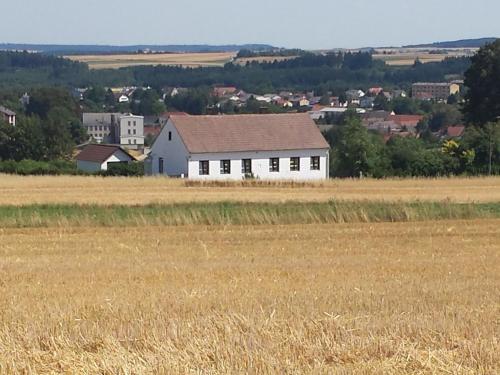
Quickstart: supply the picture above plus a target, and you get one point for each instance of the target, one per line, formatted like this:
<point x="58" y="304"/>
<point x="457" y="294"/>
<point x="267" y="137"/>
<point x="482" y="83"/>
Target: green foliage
<point x="31" y="167"/>
<point x="355" y="152"/>
<point x="49" y="130"/>
<point x="482" y="100"/>
<point x="135" y="169"/>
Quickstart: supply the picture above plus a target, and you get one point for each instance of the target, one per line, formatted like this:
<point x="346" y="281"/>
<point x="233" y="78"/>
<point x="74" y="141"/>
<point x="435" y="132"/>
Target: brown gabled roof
<point x="99" y="153"/>
<point x="234" y="133"/>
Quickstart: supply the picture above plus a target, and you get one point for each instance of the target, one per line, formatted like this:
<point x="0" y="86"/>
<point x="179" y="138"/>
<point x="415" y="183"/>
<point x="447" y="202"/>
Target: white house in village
<point x="95" y="157"/>
<point x="8" y="116"/>
<point x="233" y="147"/>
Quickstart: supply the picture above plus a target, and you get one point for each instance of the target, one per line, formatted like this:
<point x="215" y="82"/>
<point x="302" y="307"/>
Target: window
<point x="135" y="141"/>
<point x="100" y="127"/>
<point x="274" y="164"/>
<point x="169" y="136"/>
<point x="134" y="131"/>
<point x="129" y="123"/>
<point x="129" y="141"/>
<point x="314" y="163"/>
<point x="246" y="166"/>
<point x="225" y="166"/>
<point x="129" y="132"/>
<point x="204" y="168"/>
<point x="135" y="123"/>
<point x="295" y="164"/>
<point x="160" y="165"/>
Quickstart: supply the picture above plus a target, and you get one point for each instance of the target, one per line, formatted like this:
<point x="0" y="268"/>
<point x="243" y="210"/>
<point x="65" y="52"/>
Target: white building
<point x="232" y="147"/>
<point x="8" y="116"/>
<point x="95" y="158"/>
<point x="126" y="130"/>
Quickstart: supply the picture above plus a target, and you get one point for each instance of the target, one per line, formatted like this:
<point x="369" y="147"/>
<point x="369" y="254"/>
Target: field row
<point x="351" y="298"/>
<point x="18" y="190"/>
<point x="227" y="213"/>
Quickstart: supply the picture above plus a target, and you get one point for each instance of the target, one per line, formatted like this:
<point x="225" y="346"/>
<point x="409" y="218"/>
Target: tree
<point x="482" y="100"/>
<point x="355" y="151"/>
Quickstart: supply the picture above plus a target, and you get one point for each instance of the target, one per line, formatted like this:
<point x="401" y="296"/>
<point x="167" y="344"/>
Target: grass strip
<point x="227" y="213"/>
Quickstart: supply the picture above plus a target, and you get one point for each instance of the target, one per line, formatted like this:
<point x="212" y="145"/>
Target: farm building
<point x="233" y="147"/>
<point x="94" y="158"/>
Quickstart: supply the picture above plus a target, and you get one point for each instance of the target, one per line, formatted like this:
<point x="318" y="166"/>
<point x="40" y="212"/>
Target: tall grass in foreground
<point x="230" y="213"/>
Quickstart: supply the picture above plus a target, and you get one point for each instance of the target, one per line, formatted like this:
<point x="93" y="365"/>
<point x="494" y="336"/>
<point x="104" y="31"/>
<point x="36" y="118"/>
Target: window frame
<point x="295" y="167"/>
<point x="244" y="166"/>
<point x="315" y="166"/>
<point x="274" y="168"/>
<point x="160" y="166"/>
<point x="203" y="168"/>
<point x="225" y="166"/>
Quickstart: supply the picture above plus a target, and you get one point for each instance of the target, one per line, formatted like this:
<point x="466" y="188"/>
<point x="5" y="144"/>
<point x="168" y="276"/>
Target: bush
<point x="31" y="167"/>
<point x="135" y="169"/>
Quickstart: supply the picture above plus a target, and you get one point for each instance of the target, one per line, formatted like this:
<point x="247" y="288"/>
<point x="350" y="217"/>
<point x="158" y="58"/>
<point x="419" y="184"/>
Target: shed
<point x="94" y="158"/>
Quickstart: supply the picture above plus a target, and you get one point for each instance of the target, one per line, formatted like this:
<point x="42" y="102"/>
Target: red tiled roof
<point x="99" y="153"/>
<point x="455" y="131"/>
<point x="153" y="130"/>
<point x="406" y="120"/>
<point x="234" y="133"/>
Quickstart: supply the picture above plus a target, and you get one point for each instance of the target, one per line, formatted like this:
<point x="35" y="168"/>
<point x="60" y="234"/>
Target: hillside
<point x="464" y="43"/>
<point x="69" y="49"/>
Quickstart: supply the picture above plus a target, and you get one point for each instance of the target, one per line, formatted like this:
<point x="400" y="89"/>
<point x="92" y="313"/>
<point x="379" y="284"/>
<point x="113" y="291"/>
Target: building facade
<point x="430" y="90"/>
<point x="269" y="147"/>
<point x="125" y="130"/>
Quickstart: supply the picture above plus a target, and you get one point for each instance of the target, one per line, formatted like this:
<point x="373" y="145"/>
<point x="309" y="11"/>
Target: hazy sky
<point x="293" y="23"/>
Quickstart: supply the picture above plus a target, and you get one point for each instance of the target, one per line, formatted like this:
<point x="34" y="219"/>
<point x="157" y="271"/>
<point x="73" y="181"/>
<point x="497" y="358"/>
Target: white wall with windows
<point x="170" y="157"/>
<point x="266" y="165"/>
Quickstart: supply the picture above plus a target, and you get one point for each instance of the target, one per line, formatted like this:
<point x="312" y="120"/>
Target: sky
<point x="319" y="24"/>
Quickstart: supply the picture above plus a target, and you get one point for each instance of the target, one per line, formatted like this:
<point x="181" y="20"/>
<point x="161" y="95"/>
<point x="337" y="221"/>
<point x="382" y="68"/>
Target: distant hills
<point x="57" y="49"/>
<point x="464" y="43"/>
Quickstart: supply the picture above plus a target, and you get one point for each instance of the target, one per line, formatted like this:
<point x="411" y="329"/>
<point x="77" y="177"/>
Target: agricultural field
<point x="405" y="57"/>
<point x="113" y="61"/>
<point x="20" y="190"/>
<point x="142" y="276"/>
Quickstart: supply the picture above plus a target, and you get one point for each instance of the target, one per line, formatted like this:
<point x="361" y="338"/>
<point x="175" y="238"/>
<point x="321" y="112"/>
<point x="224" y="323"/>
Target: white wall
<point x="174" y="153"/>
<point x="260" y="165"/>
<point x="131" y="140"/>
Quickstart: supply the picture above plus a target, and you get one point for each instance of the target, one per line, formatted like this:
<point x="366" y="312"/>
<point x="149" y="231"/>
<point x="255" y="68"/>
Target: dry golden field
<point x="177" y="59"/>
<point x="402" y="57"/>
<point x="20" y="190"/>
<point x="392" y="298"/>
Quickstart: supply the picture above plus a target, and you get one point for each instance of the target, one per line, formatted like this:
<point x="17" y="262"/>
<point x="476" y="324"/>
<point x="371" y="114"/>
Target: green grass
<point x="239" y="213"/>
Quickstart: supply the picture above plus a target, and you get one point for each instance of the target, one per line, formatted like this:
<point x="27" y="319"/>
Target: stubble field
<point x="368" y="296"/>
<point x="115" y="61"/>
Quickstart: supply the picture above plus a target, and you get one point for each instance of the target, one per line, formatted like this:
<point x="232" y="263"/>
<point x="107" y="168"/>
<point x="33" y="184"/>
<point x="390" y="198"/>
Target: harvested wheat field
<point x="18" y="190"/>
<point x="115" y="61"/>
<point x="372" y="298"/>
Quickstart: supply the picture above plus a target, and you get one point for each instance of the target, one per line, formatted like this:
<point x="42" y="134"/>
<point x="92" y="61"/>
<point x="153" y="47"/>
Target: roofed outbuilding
<point x="97" y="157"/>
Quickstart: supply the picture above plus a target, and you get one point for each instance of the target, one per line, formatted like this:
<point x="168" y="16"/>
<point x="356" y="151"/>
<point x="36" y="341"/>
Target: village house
<point x="95" y="158"/>
<point x="234" y="147"/>
<point x="8" y="116"/>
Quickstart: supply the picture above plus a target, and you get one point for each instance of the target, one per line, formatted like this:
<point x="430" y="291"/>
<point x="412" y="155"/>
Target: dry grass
<point x="403" y="57"/>
<point x="176" y="59"/>
<point x="18" y="190"/>
<point x="416" y="298"/>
